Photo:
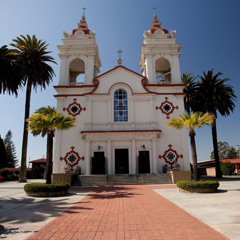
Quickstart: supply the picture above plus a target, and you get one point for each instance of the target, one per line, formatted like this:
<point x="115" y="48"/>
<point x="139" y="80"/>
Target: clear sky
<point x="208" y="31"/>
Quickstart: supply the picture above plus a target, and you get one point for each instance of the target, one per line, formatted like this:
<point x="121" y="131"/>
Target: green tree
<point x="33" y="57"/>
<point x="190" y="122"/>
<point x="232" y="153"/>
<point x="10" y="72"/>
<point x="44" y="121"/>
<point x="214" y="96"/>
<point x="10" y="150"/>
<point x="189" y="90"/>
<point x="227" y="168"/>
<point x="3" y="157"/>
<point x="225" y="151"/>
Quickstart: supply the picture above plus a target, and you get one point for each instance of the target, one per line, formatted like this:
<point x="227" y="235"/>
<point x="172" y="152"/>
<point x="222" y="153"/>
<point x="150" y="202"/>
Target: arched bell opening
<point x="77" y="72"/>
<point x="163" y="70"/>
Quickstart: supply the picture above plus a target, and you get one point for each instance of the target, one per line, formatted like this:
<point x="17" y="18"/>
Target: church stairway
<point x="123" y="179"/>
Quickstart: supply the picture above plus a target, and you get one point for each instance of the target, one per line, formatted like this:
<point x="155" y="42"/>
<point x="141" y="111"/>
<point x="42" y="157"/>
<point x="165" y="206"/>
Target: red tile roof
<point x="235" y="160"/>
<point x="41" y="160"/>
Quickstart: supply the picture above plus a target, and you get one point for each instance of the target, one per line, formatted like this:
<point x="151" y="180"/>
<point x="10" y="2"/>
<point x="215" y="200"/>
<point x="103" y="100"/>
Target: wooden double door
<point x="143" y="162"/>
<point x="98" y="163"/>
<point x="121" y="161"/>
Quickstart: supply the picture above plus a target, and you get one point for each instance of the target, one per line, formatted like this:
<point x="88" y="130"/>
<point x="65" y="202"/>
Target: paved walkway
<point x="125" y="212"/>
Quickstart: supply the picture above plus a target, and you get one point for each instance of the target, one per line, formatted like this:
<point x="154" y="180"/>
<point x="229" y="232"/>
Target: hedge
<point x="8" y="176"/>
<point x="203" y="184"/>
<point x="43" y="187"/>
<point x="227" y="168"/>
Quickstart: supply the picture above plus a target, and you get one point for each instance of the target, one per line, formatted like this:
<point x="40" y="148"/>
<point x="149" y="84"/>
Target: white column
<point x="134" y="158"/>
<point x="58" y="143"/>
<point x="149" y="69"/>
<point x="109" y="158"/>
<point x="131" y="112"/>
<point x="154" y="156"/>
<point x="88" y="157"/>
<point x="175" y="70"/>
<point x="89" y="70"/>
<point x="89" y="111"/>
<point x="109" y="112"/>
<point x="64" y="72"/>
<point x="152" y="109"/>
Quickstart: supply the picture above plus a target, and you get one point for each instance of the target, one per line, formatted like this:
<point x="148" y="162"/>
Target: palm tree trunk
<point x="23" y="170"/>
<point x="215" y="149"/>
<point x="49" y="157"/>
<point x="194" y="155"/>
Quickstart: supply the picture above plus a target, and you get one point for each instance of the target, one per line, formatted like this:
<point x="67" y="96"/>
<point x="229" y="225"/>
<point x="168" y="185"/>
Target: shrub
<point x="8" y="176"/>
<point x="46" y="188"/>
<point x="188" y="185"/>
<point x="227" y="168"/>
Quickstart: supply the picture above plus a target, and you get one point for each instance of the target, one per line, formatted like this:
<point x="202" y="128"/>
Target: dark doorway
<point x="121" y="161"/>
<point x="143" y="162"/>
<point x="98" y="163"/>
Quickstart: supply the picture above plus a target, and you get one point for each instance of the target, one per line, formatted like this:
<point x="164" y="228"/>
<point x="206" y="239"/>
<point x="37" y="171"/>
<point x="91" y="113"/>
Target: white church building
<point x="121" y="115"/>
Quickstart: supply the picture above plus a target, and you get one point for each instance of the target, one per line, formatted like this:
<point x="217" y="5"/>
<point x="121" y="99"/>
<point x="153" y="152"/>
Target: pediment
<point x="120" y="76"/>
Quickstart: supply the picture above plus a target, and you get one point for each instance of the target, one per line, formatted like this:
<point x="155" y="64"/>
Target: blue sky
<point x="207" y="30"/>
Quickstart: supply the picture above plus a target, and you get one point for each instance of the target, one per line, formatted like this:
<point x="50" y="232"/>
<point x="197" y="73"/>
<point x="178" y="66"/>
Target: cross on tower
<point x="154" y="11"/>
<point x="83" y="11"/>
<point x="119" y="60"/>
<point x="119" y="51"/>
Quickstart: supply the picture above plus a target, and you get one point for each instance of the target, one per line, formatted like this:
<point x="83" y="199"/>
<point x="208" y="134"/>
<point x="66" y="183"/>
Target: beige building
<point x="121" y="116"/>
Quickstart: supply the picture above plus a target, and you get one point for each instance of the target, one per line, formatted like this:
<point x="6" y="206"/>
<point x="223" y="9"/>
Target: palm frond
<point x="47" y="119"/>
<point x="191" y="121"/>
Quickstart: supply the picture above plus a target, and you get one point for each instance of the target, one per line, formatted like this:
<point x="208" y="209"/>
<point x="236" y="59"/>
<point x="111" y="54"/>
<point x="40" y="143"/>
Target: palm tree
<point x="10" y="72"/>
<point x="213" y="95"/>
<point x="190" y="122"/>
<point x="44" y="121"/>
<point x="189" y="90"/>
<point x="33" y="56"/>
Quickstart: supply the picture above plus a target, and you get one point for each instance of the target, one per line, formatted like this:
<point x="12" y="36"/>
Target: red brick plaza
<point x="126" y="212"/>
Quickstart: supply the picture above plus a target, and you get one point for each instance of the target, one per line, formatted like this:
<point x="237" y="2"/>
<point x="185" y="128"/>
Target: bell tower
<point x="160" y="55"/>
<point x="79" y="55"/>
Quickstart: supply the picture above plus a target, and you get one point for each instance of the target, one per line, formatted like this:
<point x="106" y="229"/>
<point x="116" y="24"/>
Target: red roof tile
<point x="41" y="160"/>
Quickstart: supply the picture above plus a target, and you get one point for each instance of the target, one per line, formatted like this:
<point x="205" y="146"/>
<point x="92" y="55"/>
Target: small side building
<point x="38" y="168"/>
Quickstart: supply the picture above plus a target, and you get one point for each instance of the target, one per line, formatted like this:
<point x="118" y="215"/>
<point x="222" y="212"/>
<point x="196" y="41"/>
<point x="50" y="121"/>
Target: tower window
<point x="120" y="106"/>
<point x="163" y="70"/>
<point x="77" y="71"/>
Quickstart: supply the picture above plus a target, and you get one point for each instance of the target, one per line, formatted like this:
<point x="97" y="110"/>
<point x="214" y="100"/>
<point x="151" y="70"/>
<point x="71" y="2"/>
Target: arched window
<point x="120" y="106"/>
<point x="163" y="70"/>
<point x="77" y="71"/>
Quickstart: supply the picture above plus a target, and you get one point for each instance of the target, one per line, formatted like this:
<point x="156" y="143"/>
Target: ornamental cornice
<point x="81" y="48"/>
<point x="120" y="135"/>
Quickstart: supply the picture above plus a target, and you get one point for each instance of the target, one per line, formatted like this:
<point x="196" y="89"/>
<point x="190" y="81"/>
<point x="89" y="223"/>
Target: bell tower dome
<point x="79" y="55"/>
<point x="160" y="55"/>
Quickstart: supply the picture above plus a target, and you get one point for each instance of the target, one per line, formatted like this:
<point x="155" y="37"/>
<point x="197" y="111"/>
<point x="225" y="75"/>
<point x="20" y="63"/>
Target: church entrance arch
<point x="98" y="163"/>
<point x="121" y="161"/>
<point x="143" y="162"/>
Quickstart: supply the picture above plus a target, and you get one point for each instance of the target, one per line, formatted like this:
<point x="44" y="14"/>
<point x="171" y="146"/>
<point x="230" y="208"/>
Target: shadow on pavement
<point x="29" y="210"/>
<point x="110" y="192"/>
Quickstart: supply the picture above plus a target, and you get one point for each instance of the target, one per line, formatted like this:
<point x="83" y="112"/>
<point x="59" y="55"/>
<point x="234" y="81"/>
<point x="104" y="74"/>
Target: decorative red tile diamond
<point x="171" y="156"/>
<point x="166" y="107"/>
<point x="72" y="158"/>
<point x="74" y="108"/>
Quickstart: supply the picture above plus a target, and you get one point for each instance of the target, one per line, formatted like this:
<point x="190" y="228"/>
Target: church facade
<point x="121" y="116"/>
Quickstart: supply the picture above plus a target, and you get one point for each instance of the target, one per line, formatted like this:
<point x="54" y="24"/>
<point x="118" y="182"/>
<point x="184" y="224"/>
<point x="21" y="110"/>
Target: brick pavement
<point x="126" y="212"/>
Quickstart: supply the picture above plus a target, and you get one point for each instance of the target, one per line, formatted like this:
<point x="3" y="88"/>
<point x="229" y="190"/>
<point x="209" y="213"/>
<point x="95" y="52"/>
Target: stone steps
<point x="123" y="179"/>
<point x="92" y="180"/>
